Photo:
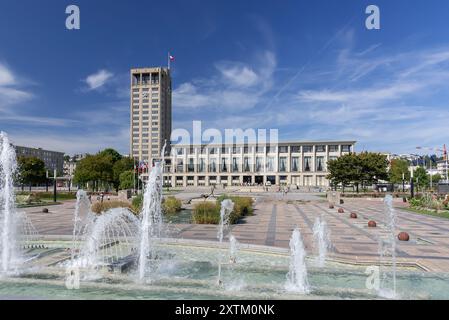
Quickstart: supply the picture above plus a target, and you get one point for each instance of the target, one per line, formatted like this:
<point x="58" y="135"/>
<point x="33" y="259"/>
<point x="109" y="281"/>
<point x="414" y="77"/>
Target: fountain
<point x="151" y="215"/>
<point x="321" y="235"/>
<point x="225" y="211"/>
<point x="8" y="217"/>
<point x="233" y="249"/>
<point x="297" y="275"/>
<point x="388" y="247"/>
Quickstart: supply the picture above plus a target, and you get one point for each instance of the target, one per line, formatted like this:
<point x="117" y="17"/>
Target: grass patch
<point x="432" y="213"/>
<point x="101" y="207"/>
<point x="243" y="206"/>
<point x="171" y="205"/>
<point x="206" y="213"/>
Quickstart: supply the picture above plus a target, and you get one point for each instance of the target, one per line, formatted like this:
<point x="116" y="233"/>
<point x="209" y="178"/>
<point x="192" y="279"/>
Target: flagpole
<point x="168" y="60"/>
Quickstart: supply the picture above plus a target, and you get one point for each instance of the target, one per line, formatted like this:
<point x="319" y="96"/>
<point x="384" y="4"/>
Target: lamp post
<point x="54" y="184"/>
<point x="412" y="189"/>
<point x="403" y="182"/>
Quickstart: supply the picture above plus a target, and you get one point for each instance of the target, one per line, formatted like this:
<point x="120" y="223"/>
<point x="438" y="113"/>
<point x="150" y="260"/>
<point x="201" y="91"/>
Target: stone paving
<point x="275" y="217"/>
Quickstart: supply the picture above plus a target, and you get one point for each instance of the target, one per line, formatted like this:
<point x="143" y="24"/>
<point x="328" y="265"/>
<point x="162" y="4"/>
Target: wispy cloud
<point x="10" y="92"/>
<point x="98" y="79"/>
<point x="235" y="86"/>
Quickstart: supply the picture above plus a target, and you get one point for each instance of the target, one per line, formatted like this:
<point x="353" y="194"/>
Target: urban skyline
<point x="338" y="80"/>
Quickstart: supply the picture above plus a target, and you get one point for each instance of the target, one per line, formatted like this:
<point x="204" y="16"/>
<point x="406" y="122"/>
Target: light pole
<point x="403" y="182"/>
<point x="412" y="189"/>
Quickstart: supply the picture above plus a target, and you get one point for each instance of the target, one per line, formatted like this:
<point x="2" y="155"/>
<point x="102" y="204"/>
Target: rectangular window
<point x="295" y="164"/>
<point x="320" y="148"/>
<point x="246" y="165"/>
<point x="307" y="164"/>
<point x="191" y="165"/>
<point x="308" y="149"/>
<point x="213" y="165"/>
<point x="235" y="165"/>
<point x="333" y="148"/>
<point x="283" y="149"/>
<point x="270" y="164"/>
<point x="282" y="164"/>
<point x="320" y="164"/>
<point x="346" y="148"/>
<point x="224" y="165"/>
<point x="259" y="164"/>
<point x="259" y="149"/>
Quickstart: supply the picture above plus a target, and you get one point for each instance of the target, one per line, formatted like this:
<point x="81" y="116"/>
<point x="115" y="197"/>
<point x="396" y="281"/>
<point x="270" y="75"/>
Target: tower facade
<point x="151" y="113"/>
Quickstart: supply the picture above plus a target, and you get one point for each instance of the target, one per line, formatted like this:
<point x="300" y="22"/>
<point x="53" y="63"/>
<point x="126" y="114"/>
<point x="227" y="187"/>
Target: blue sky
<point x="308" y="68"/>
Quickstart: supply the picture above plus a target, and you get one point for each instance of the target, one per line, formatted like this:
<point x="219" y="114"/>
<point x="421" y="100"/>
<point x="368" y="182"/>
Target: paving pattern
<point x="275" y="217"/>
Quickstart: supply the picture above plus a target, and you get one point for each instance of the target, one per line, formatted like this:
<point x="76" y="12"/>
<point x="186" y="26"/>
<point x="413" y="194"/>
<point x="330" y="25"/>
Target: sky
<point x="310" y="69"/>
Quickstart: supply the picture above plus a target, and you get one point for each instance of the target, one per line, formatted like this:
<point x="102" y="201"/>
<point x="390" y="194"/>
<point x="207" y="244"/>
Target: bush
<point x="206" y="213"/>
<point x="171" y="205"/>
<point x="137" y="203"/>
<point x="243" y="206"/>
<point x="100" y="207"/>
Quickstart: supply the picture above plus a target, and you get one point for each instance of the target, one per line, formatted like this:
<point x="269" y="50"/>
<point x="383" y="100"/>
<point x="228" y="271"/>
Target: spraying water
<point x="321" y="235"/>
<point x="8" y="216"/>
<point x="233" y="249"/>
<point x="225" y="211"/>
<point x="83" y="220"/>
<point x="297" y="274"/>
<point x="152" y="223"/>
<point x="391" y="225"/>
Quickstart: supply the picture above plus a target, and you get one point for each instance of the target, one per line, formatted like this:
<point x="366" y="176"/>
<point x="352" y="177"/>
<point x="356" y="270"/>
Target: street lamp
<point x="412" y="189"/>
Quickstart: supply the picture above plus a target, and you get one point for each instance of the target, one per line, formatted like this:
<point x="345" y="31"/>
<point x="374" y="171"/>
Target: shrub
<point x="137" y="203"/>
<point x="171" y="205"/>
<point x="243" y="206"/>
<point x="99" y="207"/>
<point x="206" y="213"/>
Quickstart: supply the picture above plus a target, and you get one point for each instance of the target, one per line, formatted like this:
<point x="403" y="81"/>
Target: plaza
<point x="275" y="217"/>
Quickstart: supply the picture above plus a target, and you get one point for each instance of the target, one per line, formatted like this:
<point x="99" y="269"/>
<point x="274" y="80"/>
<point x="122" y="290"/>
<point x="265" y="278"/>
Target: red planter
<point x="341" y="210"/>
<point x="372" y="224"/>
<point x="403" y="236"/>
<point x="353" y="215"/>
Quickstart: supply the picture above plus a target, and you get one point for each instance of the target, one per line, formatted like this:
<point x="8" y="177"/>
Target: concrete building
<point x="443" y="169"/>
<point x="52" y="159"/>
<point x="288" y="163"/>
<point x="151" y="109"/>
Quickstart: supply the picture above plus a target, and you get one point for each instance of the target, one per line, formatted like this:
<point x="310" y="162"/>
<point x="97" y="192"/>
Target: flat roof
<point x="351" y="142"/>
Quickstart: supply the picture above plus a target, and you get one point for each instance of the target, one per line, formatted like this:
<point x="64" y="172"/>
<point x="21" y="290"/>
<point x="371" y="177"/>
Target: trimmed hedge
<point x="243" y="206"/>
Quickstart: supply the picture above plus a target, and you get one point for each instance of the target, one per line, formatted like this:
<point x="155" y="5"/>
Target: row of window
<point x="269" y="149"/>
<point x="260" y="165"/>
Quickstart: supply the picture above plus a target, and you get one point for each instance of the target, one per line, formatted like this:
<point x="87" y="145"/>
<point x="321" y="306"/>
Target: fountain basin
<point x="187" y="270"/>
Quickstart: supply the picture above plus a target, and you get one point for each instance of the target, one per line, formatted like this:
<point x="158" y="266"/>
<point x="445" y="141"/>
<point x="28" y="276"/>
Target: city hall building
<point x="287" y="163"/>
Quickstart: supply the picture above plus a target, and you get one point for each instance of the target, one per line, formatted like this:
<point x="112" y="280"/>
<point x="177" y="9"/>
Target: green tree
<point x="421" y="178"/>
<point x="31" y="171"/>
<point x="111" y="152"/>
<point x="127" y="180"/>
<point x="399" y="168"/>
<point x="344" y="170"/>
<point x="96" y="169"/>
<point x="436" y="178"/>
<point x="121" y="166"/>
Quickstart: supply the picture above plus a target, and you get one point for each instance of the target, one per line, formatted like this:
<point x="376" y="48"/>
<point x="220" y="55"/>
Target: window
<point x="259" y="149"/>
<point x="307" y="149"/>
<point x="333" y="148"/>
<point x="295" y="149"/>
<point x="346" y="148"/>
<point x="320" y="164"/>
<point x="212" y="150"/>
<point x="235" y="150"/>
<point x="259" y="164"/>
<point x="320" y="148"/>
<point x="270" y="164"/>
<point x="224" y="150"/>
<point x="282" y="164"/>
<point x="271" y="149"/>
<point x="246" y="166"/>
<point x="283" y="149"/>
<point x="213" y="165"/>
<point x="307" y="163"/>
<point x="202" y="166"/>
<point x="235" y="165"/>
<point x="224" y="165"/>
<point x="295" y="164"/>
<point x="191" y="165"/>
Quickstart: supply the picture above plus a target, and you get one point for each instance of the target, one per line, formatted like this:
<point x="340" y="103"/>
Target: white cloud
<point x="98" y="79"/>
<point x="236" y="87"/>
<point x="10" y="92"/>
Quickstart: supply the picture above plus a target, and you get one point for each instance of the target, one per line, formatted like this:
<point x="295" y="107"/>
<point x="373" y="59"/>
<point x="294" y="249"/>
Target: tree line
<point x="367" y="168"/>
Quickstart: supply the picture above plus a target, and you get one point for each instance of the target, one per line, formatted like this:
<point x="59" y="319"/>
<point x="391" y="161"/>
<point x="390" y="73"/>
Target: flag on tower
<point x="170" y="59"/>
